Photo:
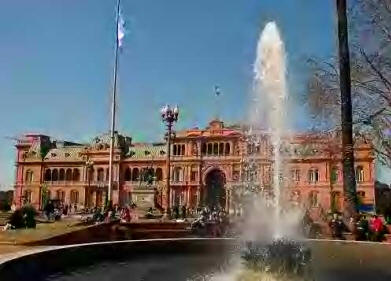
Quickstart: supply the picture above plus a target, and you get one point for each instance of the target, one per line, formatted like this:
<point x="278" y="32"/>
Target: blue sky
<point x="56" y="59"/>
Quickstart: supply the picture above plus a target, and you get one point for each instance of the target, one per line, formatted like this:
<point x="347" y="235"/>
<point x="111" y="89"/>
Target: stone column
<point x="227" y="199"/>
<point x="93" y="203"/>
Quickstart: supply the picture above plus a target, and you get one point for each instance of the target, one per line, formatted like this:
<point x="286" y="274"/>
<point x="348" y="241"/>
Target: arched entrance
<point x="214" y="191"/>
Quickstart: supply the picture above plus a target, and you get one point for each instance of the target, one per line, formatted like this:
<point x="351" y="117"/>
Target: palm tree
<point x="349" y="180"/>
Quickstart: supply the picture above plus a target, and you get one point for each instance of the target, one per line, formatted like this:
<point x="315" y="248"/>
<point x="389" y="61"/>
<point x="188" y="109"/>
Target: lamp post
<point x="169" y="116"/>
<point x="89" y="164"/>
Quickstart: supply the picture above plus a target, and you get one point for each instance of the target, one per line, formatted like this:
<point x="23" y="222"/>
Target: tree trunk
<point x="349" y="180"/>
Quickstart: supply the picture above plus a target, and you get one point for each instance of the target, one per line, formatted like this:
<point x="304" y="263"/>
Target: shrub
<point x="24" y="217"/>
<point x="16" y="219"/>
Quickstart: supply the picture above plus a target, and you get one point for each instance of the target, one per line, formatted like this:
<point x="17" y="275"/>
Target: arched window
<point x="359" y="174"/>
<point x="61" y="176"/>
<point x="313" y="175"/>
<point x="127" y="174"/>
<point x="135" y="174"/>
<point x="183" y="150"/>
<point x="61" y="195"/>
<point x="210" y="148"/>
<point x="215" y="149"/>
<point x="221" y="148"/>
<point x="295" y="175"/>
<point x="174" y="149"/>
<point x="29" y="176"/>
<point x="178" y="174"/>
<point x="101" y="175"/>
<point x="68" y="175"/>
<point x="144" y="174"/>
<point x="55" y="175"/>
<point x="74" y="197"/>
<point x="227" y="149"/>
<point x="334" y="175"/>
<point x="313" y="199"/>
<point x="203" y="149"/>
<point x="48" y="175"/>
<point x="28" y="196"/>
<point x="76" y="175"/>
<point x="159" y="174"/>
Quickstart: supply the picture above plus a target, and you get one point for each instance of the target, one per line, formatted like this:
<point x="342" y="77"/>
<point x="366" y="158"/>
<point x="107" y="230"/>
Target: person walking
<point x="376" y="228"/>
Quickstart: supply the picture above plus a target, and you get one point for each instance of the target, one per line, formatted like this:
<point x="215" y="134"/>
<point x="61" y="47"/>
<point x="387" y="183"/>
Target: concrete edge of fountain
<point x="42" y="249"/>
<point x="38" y="250"/>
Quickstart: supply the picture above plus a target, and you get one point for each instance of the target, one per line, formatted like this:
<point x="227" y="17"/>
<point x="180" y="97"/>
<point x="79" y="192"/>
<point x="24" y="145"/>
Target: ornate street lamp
<point x="169" y="116"/>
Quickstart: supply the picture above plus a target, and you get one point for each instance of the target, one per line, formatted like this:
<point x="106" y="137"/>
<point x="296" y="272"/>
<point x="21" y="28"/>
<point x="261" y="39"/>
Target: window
<point x="74" y="197"/>
<point x="68" y="175"/>
<point x="55" y="175"/>
<point x="61" y="176"/>
<point x="101" y="175"/>
<point x="359" y="174"/>
<point x="313" y="176"/>
<point x="361" y="194"/>
<point x="193" y="173"/>
<point x="210" y="148"/>
<point x="334" y="175"/>
<point x="178" y="174"/>
<point x="221" y="148"/>
<point x="128" y="174"/>
<point x="29" y="176"/>
<point x="203" y="149"/>
<point x="295" y="175"/>
<point x="183" y="149"/>
<point x="135" y="174"/>
<point x="76" y="175"/>
<point x="313" y="198"/>
<point x="61" y="195"/>
<point x="48" y="175"/>
<point x="179" y="149"/>
<point x="215" y="149"/>
<point x="108" y="174"/>
<point x="28" y="197"/>
<point x="159" y="174"/>
<point x="227" y="149"/>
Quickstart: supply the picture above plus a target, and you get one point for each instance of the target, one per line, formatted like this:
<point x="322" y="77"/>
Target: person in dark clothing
<point x="183" y="212"/>
<point x="337" y="226"/>
<point x="362" y="229"/>
<point x="49" y="210"/>
<point x="176" y="212"/>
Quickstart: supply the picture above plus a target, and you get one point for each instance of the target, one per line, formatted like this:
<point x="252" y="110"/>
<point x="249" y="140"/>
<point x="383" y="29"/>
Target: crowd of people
<point x="55" y="210"/>
<point x="362" y="228"/>
<point x="211" y="222"/>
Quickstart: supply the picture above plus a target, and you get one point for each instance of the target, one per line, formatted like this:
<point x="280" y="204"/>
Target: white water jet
<point x="270" y="88"/>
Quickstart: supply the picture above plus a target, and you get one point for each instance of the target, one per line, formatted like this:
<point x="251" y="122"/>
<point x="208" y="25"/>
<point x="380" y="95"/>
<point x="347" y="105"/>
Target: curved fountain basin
<point x="186" y="259"/>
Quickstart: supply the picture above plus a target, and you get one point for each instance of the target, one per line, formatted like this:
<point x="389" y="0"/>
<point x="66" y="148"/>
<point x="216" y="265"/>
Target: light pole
<point x="169" y="116"/>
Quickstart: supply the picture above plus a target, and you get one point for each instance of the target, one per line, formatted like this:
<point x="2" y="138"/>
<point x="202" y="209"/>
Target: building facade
<point x="207" y="168"/>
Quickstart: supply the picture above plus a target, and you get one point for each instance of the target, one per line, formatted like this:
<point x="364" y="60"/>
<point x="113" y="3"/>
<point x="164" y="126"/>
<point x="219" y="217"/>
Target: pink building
<point x="206" y="168"/>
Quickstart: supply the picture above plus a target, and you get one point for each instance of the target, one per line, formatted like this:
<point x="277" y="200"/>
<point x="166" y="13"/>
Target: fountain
<point x="270" y="247"/>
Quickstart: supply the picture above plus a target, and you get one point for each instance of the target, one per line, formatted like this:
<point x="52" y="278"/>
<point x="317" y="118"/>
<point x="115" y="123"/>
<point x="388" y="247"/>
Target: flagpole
<point x="113" y="107"/>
